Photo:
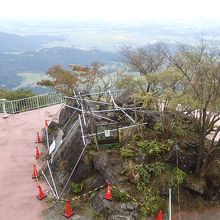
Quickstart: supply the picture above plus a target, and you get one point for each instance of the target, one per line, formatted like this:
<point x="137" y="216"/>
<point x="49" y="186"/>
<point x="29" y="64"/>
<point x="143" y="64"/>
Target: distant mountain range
<point x="25" y="54"/>
<point x="17" y="43"/>
<point x="21" y="54"/>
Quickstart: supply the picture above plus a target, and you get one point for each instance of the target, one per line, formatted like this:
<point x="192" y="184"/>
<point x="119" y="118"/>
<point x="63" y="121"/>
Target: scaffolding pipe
<point x="94" y="134"/>
<point x="80" y="122"/>
<point x="105" y="103"/>
<point x="117" y="107"/>
<point x="47" y="138"/>
<point x="82" y="107"/>
<point x="73" y="107"/>
<point x="52" y="180"/>
<point x="49" y="184"/>
<point x="108" y="119"/>
<point x="70" y="118"/>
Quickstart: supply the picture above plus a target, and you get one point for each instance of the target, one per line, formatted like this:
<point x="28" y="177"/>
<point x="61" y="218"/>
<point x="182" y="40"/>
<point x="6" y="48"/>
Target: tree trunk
<point x="200" y="156"/>
<point x="202" y="141"/>
<point x="148" y="87"/>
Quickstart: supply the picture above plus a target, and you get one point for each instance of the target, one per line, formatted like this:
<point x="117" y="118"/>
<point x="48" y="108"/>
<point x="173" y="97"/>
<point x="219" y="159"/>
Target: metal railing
<point x="31" y="103"/>
<point x="40" y="101"/>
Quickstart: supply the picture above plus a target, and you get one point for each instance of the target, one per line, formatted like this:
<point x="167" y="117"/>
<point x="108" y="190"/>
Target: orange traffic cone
<point x="46" y="124"/>
<point x="37" y="156"/>
<point x="41" y="195"/>
<point x="160" y="215"/>
<point x="68" y="212"/>
<point x="108" y="192"/>
<point x="35" y="172"/>
<point x="38" y="138"/>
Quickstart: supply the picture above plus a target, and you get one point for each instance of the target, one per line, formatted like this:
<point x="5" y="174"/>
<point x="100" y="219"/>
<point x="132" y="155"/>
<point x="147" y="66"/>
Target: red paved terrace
<point x="17" y="147"/>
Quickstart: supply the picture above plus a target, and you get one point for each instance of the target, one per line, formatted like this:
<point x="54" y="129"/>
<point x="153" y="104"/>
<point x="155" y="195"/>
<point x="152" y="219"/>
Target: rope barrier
<point x="76" y="197"/>
<point x="91" y="191"/>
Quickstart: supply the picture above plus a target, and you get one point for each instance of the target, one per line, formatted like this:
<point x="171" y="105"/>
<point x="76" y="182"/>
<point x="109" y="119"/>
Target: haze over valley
<point x="29" y="47"/>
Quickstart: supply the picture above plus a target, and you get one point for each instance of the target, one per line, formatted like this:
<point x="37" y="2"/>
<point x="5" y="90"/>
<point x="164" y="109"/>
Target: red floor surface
<point x="18" y="190"/>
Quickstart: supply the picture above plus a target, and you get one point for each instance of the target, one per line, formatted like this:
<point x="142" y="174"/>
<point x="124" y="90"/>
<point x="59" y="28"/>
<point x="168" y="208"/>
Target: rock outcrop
<point x="115" y="210"/>
<point x="183" y="154"/>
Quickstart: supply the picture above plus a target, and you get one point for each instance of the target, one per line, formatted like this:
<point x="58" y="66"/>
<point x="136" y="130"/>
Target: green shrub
<point x="178" y="177"/>
<point x="52" y="130"/>
<point x="158" y="127"/>
<point x="127" y="152"/>
<point x="172" y="176"/>
<point x="152" y="202"/>
<point x="149" y="170"/>
<point x="120" y="196"/>
<point x="131" y="171"/>
<point x="144" y="177"/>
<point x="76" y="187"/>
<point x="155" y="147"/>
<point x="157" y="168"/>
<point x="175" y="128"/>
<point x="15" y="94"/>
<point x="135" y="137"/>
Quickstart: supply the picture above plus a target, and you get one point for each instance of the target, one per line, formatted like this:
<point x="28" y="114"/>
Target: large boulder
<point x="195" y="184"/>
<point x="125" y="99"/>
<point x="212" y="170"/>
<point x="102" y="205"/>
<point x="115" y="210"/>
<point x="52" y="132"/>
<point x="93" y="182"/>
<point x="185" y="155"/>
<point x="66" y="157"/>
<point x="67" y="112"/>
<point x="84" y="169"/>
<point x="151" y="118"/>
<point x="109" y="165"/>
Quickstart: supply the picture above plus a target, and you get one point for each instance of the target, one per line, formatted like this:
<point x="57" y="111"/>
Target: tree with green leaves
<point x="190" y="84"/>
<point x="200" y="67"/>
<point x="15" y="94"/>
<point x="77" y="78"/>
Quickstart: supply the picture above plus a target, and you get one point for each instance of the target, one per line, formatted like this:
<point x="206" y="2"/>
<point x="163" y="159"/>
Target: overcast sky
<point x="115" y="10"/>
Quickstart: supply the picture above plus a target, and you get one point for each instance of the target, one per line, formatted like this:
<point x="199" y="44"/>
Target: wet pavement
<point x="18" y="190"/>
<point x="211" y="214"/>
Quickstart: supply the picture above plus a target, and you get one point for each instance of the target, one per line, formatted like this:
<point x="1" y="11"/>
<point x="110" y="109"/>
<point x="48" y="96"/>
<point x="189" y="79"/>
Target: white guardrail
<point x="27" y="104"/>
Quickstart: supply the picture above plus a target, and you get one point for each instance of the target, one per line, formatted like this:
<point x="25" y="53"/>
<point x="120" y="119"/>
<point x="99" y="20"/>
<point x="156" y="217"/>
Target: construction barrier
<point x="41" y="195"/>
<point x="37" y="154"/>
<point x="68" y="212"/>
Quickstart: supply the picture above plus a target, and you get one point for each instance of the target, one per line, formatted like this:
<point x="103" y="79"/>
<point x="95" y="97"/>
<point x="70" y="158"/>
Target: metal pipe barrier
<point x="31" y="103"/>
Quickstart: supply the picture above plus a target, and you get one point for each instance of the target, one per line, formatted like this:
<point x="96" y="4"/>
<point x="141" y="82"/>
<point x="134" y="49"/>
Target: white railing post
<point x="12" y="107"/>
<point x="3" y="107"/>
<point x="26" y="104"/>
<point x="38" y="103"/>
<point x="170" y="206"/>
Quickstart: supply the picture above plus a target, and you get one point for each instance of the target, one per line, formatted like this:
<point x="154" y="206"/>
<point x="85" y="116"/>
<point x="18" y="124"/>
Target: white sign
<point x="52" y="147"/>
<point x="107" y="133"/>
